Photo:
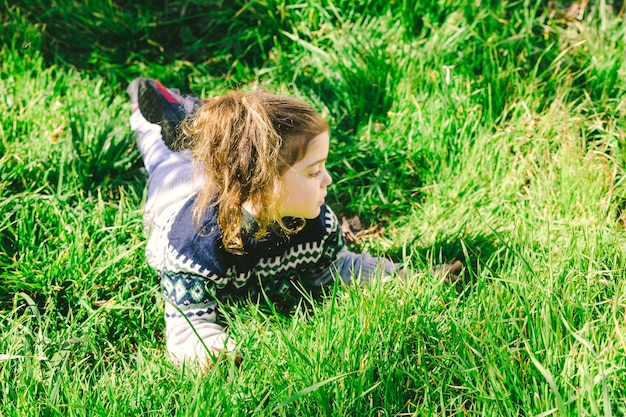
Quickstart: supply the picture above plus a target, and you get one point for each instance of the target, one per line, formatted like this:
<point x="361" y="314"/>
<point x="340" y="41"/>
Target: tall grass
<point x="492" y="132"/>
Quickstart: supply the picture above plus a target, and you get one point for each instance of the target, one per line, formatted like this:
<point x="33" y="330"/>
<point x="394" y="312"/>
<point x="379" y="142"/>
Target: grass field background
<point x="492" y="132"/>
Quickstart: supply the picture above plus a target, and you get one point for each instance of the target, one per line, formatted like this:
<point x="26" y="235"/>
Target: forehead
<point x="316" y="151"/>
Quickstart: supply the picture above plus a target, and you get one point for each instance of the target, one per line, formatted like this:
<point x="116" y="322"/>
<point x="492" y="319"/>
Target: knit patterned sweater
<point x="197" y="272"/>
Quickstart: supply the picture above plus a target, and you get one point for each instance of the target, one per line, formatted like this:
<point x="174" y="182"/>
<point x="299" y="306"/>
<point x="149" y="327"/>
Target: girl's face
<point x="304" y="184"/>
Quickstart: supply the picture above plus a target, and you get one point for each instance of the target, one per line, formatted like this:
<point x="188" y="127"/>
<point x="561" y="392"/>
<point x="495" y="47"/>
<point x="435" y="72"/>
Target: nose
<point x="327" y="179"/>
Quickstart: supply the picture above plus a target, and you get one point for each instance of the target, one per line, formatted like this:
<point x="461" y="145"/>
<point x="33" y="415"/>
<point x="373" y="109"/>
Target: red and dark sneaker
<point x="167" y="108"/>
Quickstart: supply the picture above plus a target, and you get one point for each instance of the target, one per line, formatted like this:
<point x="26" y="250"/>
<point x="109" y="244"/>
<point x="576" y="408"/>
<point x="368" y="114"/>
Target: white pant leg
<point x="170" y="183"/>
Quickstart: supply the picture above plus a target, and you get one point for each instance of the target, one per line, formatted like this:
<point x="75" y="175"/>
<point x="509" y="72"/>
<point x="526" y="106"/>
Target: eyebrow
<point x="315" y="163"/>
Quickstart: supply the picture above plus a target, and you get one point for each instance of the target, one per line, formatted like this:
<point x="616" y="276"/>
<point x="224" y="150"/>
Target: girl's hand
<point x="218" y="355"/>
<point x="449" y="272"/>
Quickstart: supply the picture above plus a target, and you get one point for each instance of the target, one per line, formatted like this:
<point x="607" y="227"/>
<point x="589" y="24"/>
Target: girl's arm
<point x="363" y="266"/>
<point x="341" y="262"/>
<point x="192" y="330"/>
<point x="355" y="266"/>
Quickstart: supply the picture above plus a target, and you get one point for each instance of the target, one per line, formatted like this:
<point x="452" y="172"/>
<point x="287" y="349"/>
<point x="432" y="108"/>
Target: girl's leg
<point x="170" y="174"/>
<point x="170" y="183"/>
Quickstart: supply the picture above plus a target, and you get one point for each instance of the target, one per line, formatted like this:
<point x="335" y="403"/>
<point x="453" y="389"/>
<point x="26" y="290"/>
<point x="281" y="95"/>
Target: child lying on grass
<point x="235" y="208"/>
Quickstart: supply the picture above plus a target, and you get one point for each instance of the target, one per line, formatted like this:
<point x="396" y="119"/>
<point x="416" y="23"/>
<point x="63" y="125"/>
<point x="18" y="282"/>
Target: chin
<point x="313" y="214"/>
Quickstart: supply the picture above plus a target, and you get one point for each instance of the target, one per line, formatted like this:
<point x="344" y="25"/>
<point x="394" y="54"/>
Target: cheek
<point x="292" y="191"/>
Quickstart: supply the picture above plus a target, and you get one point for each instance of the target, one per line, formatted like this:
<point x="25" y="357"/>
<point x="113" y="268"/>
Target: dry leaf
<point x="353" y="231"/>
<point x="57" y="132"/>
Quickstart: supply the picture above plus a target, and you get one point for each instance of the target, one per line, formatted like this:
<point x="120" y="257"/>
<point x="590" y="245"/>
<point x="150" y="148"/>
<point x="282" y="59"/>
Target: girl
<point x="236" y="208"/>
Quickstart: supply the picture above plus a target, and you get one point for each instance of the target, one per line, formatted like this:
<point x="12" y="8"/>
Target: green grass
<point x="492" y="132"/>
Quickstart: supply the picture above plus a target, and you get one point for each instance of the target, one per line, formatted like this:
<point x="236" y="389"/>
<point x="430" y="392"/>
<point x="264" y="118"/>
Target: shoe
<point x="165" y="107"/>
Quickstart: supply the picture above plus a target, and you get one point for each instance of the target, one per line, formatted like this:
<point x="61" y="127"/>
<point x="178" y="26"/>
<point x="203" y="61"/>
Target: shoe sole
<point x="154" y="110"/>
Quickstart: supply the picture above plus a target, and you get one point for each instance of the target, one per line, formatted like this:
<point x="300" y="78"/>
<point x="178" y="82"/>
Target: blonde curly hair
<point x="242" y="143"/>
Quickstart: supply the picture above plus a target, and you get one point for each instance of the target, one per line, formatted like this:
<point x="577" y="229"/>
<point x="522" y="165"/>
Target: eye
<point x="319" y="169"/>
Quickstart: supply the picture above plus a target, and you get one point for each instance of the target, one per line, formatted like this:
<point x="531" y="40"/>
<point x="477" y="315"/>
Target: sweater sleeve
<point x="338" y="261"/>
<point x="192" y="330"/>
<point x="190" y="280"/>
<point x="363" y="266"/>
<point x="350" y="266"/>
